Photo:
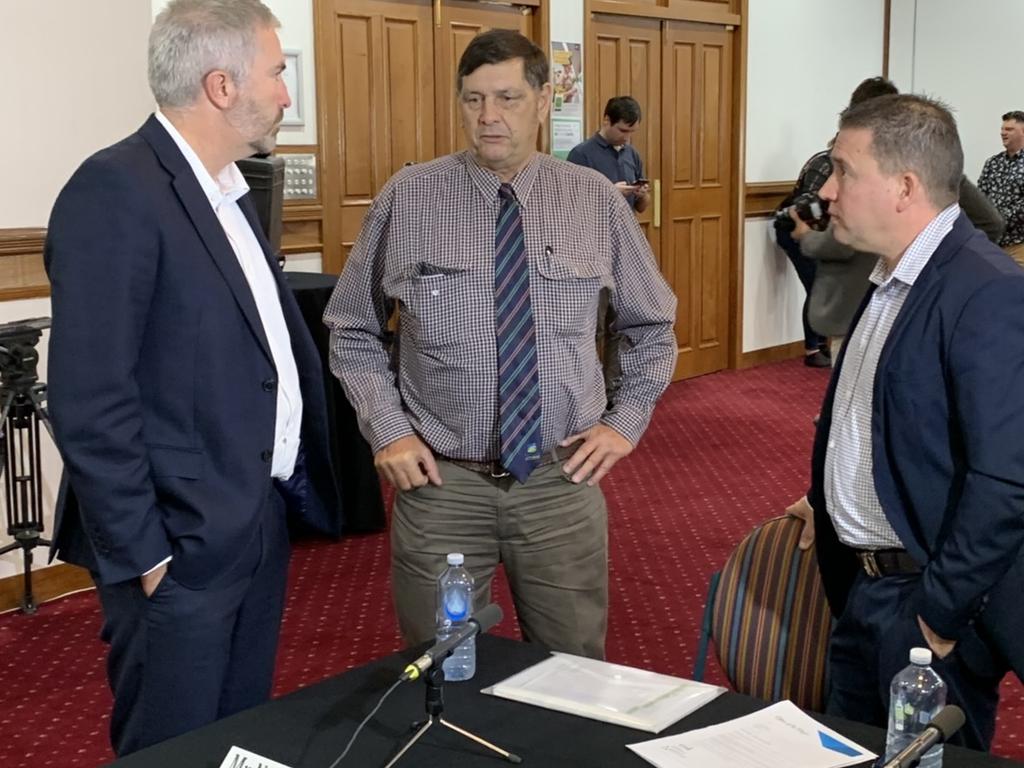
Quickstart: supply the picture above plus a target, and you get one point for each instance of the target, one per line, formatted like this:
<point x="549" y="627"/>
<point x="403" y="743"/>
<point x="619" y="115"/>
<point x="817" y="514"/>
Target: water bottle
<point x="454" y="607"/>
<point x="916" y="696"/>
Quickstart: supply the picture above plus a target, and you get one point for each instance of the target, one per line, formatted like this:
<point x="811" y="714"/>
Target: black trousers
<point x="871" y="642"/>
<point x="805" y="270"/>
<point x="183" y="657"/>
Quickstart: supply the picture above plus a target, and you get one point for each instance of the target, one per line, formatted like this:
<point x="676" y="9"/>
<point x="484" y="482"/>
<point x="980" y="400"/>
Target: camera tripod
<point x="22" y="410"/>
<point x="434" y="680"/>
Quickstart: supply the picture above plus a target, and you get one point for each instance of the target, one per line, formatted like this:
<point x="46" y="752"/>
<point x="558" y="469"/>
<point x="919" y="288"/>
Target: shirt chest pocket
<point x="438" y="298"/>
<point x="566" y="299"/>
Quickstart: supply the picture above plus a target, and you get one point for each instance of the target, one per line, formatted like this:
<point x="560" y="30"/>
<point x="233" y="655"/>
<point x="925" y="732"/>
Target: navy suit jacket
<point x="948" y="445"/>
<point x="162" y="388"/>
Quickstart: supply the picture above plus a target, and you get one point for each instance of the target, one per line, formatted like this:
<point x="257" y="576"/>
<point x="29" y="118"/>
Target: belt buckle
<point x="497" y="475"/>
<point x="867" y="559"/>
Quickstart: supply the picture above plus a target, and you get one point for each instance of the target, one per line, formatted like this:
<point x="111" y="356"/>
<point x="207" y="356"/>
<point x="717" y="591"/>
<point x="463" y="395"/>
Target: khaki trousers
<point x="1017" y="252"/>
<point x="550" y="534"/>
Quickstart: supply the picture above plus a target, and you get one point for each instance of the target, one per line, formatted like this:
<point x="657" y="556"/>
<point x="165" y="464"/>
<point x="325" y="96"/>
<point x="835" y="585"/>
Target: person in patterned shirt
<point x="1002" y="180"/>
<point x="431" y="397"/>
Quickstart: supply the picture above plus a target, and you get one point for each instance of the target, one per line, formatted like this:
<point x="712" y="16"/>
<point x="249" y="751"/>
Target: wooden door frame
<point x="703" y="13"/>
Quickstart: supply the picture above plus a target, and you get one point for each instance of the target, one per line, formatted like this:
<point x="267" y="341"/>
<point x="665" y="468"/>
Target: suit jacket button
<point x="267" y="455"/>
<point x="269" y="385"/>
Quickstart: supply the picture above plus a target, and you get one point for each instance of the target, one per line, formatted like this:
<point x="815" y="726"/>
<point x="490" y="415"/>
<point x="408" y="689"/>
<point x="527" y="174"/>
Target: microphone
<point x="949" y="720"/>
<point x="486" y="618"/>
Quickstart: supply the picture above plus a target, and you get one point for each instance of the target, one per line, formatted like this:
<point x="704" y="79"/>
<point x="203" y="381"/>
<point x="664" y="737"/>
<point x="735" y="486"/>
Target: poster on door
<point x="567" y="79"/>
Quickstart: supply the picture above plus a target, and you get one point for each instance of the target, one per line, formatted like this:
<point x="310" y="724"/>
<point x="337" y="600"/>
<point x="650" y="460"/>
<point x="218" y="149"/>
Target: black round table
<point x="351" y="456"/>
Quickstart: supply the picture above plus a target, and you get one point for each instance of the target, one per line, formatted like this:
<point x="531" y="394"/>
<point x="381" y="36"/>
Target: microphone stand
<point x="434" y="680"/>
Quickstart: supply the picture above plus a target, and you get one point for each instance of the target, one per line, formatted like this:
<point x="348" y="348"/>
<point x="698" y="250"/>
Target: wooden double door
<point x="386" y="82"/>
<point x="682" y="75"/>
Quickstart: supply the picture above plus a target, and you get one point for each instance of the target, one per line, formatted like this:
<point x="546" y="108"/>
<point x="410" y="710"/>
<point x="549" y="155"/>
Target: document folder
<point x="612" y="693"/>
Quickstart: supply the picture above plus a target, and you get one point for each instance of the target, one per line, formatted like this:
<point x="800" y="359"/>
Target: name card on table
<point x="243" y="758"/>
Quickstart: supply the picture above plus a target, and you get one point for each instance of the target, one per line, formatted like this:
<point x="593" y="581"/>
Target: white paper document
<point x="611" y="693"/>
<point x="774" y="736"/>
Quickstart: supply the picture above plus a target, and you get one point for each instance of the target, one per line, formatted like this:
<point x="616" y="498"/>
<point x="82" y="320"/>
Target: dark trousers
<point x="871" y="642"/>
<point x="805" y="269"/>
<point x="608" y="342"/>
<point x="183" y="657"/>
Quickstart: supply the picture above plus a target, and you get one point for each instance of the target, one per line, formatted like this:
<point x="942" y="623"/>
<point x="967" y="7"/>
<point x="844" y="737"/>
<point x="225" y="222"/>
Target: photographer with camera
<point x="804" y="202"/>
<point x="804" y="206"/>
<point x="840" y="272"/>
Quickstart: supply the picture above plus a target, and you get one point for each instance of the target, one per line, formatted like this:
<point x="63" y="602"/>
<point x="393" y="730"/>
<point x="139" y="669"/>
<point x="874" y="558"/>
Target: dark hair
<point x="872" y="88"/>
<point x="498" y="45"/>
<point x="913" y="133"/>
<point x="622" y="109"/>
<point x="1015" y="115"/>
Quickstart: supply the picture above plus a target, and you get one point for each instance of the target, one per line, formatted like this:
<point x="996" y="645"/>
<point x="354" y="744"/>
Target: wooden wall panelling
<point x="705" y="11"/>
<point x="375" y="62"/>
<point x="764" y="197"/>
<point x="21" y="264"/>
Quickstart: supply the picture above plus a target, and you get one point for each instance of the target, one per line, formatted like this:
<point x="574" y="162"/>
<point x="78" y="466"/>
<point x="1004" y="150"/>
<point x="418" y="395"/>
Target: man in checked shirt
<point x="917" y="474"/>
<point x="487" y="409"/>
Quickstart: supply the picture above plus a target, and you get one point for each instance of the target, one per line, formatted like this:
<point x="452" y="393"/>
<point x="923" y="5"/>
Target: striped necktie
<point x="518" y="381"/>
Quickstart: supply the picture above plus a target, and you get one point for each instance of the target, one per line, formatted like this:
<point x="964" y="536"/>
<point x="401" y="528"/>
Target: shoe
<point x="817" y="360"/>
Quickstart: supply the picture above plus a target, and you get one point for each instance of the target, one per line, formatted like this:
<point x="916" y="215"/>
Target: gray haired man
<point x="184" y="385"/>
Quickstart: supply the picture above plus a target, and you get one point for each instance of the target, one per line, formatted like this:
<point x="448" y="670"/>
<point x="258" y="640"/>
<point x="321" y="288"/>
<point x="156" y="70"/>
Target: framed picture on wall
<point x="295" y="114"/>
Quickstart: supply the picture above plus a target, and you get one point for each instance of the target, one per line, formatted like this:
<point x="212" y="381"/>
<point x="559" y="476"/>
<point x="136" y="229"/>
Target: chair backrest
<point x="771" y="623"/>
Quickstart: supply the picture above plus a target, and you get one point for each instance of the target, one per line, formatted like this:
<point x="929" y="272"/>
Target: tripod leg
<point x="28" y="603"/>
<point x="412" y="741"/>
<point x="38" y="398"/>
<point x="512" y="758"/>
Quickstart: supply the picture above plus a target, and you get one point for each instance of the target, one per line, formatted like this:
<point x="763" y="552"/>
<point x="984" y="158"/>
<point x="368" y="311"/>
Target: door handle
<point x="657" y="203"/>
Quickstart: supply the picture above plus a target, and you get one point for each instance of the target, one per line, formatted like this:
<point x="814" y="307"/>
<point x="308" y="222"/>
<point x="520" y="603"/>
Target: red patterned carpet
<point x="723" y="452"/>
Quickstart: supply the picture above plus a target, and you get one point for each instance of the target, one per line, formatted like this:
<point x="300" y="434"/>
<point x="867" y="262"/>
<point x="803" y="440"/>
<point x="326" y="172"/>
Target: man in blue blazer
<point x="185" y="391"/>
<point x="918" y="465"/>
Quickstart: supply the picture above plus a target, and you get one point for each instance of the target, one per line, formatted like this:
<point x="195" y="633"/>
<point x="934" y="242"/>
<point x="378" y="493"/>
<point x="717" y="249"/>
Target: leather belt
<point x="887" y="562"/>
<point x="495" y="469"/>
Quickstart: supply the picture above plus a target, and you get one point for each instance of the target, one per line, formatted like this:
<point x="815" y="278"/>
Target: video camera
<point x="18" y="353"/>
<point x="809" y="208"/>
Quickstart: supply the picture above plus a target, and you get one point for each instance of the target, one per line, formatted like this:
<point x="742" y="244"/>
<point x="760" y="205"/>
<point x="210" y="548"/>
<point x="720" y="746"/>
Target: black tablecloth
<point x="361" y="499"/>
<point x="309" y="728"/>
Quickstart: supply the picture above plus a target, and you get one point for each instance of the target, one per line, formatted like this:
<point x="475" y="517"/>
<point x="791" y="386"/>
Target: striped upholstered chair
<point x="767" y="617"/>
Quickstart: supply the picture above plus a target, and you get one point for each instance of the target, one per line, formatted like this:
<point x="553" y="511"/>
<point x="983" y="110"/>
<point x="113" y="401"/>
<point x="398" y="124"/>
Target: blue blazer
<point x="162" y="388"/>
<point x="948" y="445"/>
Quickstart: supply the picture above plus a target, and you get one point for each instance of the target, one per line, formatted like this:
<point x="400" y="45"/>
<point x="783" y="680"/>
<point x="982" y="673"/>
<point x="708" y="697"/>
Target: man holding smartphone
<point x="610" y="152"/>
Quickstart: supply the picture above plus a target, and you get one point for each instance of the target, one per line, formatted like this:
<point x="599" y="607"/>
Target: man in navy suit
<point x="918" y="466"/>
<point x="185" y="392"/>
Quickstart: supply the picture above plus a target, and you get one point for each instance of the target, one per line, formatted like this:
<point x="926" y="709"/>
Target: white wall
<point x="804" y="57"/>
<point x="75" y="82"/>
<point x="296" y="33"/>
<point x="967" y="55"/>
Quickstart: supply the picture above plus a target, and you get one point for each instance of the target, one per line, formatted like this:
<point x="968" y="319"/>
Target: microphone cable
<point x="366" y="719"/>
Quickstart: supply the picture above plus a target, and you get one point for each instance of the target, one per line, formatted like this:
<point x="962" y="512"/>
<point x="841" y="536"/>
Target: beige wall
<point x="803" y="59"/>
<point x="75" y="81"/>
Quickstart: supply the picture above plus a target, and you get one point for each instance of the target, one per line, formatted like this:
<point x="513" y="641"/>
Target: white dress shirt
<point x="850" y="495"/>
<point x="223" y="194"/>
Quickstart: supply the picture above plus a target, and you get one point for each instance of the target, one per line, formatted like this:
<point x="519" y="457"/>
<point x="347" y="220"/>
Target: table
<point x="310" y="727"/>
<point x="351" y="456"/>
